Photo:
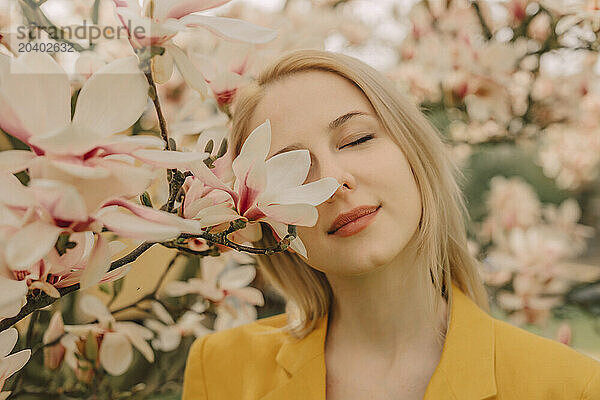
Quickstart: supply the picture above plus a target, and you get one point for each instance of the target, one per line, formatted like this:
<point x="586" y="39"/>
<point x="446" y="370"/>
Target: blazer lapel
<point x="304" y="362"/>
<point x="465" y="370"/>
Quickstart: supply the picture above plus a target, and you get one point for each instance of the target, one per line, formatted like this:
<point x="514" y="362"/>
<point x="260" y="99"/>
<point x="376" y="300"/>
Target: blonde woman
<point x="388" y="304"/>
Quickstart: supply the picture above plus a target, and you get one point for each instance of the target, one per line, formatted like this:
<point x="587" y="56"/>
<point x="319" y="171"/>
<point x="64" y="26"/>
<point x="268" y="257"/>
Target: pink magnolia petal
<point x="162" y="313"/>
<point x="15" y="160"/>
<point x="20" y="252"/>
<point x="98" y="264"/>
<point x="132" y="226"/>
<point x="159" y="216"/>
<point x="237" y="277"/>
<point x="188" y="72"/>
<point x="229" y="28"/>
<point x="170" y="159"/>
<point x="113" y="98"/>
<point x="55" y="329"/>
<point x="79" y="169"/>
<point x="115" y="353"/>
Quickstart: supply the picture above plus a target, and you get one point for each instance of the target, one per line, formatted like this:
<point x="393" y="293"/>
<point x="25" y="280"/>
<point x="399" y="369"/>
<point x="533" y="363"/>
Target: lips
<point x="350" y="216"/>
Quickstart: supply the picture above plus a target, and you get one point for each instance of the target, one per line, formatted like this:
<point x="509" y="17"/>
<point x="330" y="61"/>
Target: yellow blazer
<point x="482" y="358"/>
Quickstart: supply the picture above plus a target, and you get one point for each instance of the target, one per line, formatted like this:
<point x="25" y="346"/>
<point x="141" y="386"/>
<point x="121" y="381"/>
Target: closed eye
<point x="361" y="140"/>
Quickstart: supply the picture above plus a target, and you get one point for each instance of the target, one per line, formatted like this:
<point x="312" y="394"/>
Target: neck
<point x="386" y="311"/>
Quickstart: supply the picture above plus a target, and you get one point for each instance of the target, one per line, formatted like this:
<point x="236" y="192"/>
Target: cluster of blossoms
<point x="532" y="246"/>
<point x="82" y="181"/>
<point x="492" y="68"/>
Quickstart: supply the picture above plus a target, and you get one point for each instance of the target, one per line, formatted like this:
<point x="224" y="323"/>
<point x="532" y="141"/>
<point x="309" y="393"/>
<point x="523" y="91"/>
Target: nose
<point x="347" y="185"/>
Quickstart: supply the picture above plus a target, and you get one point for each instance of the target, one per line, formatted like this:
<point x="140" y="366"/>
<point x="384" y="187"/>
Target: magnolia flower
<point x="9" y="364"/>
<point x="169" y="332"/>
<point x="270" y="190"/>
<point x="115" y="338"/>
<point x="225" y="70"/>
<point x="218" y="283"/>
<point x="158" y="21"/>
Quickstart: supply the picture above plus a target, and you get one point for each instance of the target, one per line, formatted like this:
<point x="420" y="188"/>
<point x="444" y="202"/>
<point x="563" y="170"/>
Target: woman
<point x="388" y="303"/>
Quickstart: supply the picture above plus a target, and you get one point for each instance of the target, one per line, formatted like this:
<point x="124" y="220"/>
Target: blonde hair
<point x="440" y="238"/>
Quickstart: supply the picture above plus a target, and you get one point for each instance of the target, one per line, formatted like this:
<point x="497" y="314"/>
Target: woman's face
<point x="331" y="118"/>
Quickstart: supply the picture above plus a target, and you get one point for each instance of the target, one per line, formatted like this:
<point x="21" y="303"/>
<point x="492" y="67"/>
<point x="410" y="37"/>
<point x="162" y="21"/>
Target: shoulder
<point x="538" y="362"/>
<point x="256" y="337"/>
<point x="237" y="352"/>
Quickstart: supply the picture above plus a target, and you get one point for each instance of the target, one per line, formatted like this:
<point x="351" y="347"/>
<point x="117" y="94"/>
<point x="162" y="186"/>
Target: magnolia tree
<point x="95" y="152"/>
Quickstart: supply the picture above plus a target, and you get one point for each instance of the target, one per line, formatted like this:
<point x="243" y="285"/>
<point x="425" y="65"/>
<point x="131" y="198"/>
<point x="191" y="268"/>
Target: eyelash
<point x="359" y="141"/>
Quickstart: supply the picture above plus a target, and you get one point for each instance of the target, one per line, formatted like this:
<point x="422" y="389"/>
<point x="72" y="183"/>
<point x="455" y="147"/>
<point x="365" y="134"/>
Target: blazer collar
<point x="465" y="371"/>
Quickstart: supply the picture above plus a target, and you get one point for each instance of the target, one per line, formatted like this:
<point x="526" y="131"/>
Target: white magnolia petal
<point x="97" y="266"/>
<point x="15" y="362"/>
<point x="116" y="274"/>
<point x="177" y="288"/>
<point x="13" y="297"/>
<point x="250" y="295"/>
<point x="162" y="313"/>
<point x="313" y="193"/>
<point x="94" y="307"/>
<point x="120" y="144"/>
<point x="292" y="214"/>
<point x="162" y="67"/>
<point x="38" y="92"/>
<point x="138" y="335"/>
<point x="115" y="353"/>
<point x="73" y="139"/>
<point x="286" y="170"/>
<point x="237" y="277"/>
<point x="230" y="28"/>
<point x="63" y="201"/>
<point x="15" y="160"/>
<point x="188" y="71"/>
<point x="215" y="215"/>
<point x="281" y="230"/>
<point x="254" y="150"/>
<point x="113" y="98"/>
<point x="179" y="8"/>
<point x="169" y="339"/>
<point x="14" y="193"/>
<point x="8" y="339"/>
<point x="30" y="244"/>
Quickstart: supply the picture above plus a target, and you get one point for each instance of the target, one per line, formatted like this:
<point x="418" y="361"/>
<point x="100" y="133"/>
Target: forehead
<point x="308" y="101"/>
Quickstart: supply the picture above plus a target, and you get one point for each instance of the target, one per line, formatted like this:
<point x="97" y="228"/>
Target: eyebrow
<point x="333" y="125"/>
